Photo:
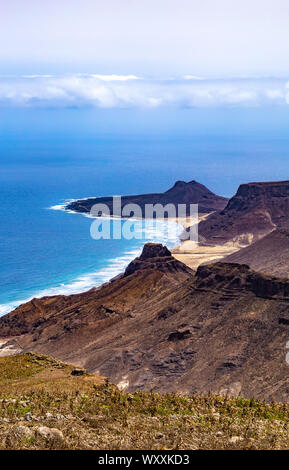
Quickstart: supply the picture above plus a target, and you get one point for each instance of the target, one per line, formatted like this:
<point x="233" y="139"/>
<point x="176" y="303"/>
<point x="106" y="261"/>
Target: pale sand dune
<point x="194" y="255"/>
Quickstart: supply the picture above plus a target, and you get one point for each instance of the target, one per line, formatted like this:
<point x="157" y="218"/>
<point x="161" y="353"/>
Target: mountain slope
<point x="181" y="193"/>
<point x="162" y="327"/>
<point x="255" y="210"/>
<point x="52" y="323"/>
<point x="270" y="254"/>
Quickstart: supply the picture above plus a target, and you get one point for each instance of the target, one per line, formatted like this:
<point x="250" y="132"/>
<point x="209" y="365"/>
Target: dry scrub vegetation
<point x="43" y="407"/>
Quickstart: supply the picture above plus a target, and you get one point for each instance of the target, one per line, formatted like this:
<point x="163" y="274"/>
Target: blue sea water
<point x="48" y="156"/>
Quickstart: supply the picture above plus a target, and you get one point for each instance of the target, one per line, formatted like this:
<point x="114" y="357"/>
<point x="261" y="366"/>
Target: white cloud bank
<point x="126" y="91"/>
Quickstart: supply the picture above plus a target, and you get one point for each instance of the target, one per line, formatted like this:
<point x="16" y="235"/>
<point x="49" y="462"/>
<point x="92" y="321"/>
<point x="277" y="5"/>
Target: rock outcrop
<point x="156" y="257"/>
<point x="255" y="210"/>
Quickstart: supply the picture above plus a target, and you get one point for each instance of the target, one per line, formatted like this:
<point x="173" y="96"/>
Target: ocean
<point x="49" y="156"/>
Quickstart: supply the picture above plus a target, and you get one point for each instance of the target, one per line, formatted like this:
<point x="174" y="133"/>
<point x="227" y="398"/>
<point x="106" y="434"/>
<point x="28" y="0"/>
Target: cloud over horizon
<point x="128" y="91"/>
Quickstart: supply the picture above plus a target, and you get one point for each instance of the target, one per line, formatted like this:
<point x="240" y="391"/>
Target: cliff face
<point x="181" y="193"/>
<point x="255" y="210"/>
<point x="161" y="326"/>
<point x="269" y="255"/>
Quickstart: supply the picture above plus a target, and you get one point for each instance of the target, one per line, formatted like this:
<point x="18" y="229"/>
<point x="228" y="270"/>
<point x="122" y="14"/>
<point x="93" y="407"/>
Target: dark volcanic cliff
<point x="181" y="193"/>
<point x="255" y="210"/>
<point x="160" y="326"/>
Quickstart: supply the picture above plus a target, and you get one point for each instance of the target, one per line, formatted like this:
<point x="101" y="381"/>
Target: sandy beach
<point x="193" y="256"/>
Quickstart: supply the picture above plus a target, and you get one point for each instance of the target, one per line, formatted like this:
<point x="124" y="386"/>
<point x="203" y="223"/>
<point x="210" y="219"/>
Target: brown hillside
<point x="162" y="327"/>
<point x="269" y="255"/>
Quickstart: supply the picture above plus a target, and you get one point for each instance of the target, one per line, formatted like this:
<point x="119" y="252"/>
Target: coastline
<point x="186" y="251"/>
<point x="108" y="269"/>
<point x="80" y="283"/>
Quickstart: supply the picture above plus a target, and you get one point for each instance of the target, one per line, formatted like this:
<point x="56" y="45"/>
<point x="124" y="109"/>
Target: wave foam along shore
<point x="166" y="232"/>
<point x="62" y="207"/>
<point x="81" y="283"/>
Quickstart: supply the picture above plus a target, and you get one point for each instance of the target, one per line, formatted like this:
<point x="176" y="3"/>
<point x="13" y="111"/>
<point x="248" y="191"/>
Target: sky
<point x="144" y="53"/>
<point x="210" y="38"/>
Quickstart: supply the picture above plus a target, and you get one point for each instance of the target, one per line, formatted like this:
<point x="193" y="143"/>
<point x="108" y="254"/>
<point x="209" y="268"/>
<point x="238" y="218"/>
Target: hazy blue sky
<point x="212" y="38"/>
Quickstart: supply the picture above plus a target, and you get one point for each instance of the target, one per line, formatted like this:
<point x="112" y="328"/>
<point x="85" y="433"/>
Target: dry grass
<point x="38" y="391"/>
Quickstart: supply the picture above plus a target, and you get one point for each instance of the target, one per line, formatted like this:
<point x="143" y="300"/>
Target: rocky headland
<point x="181" y="193"/>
